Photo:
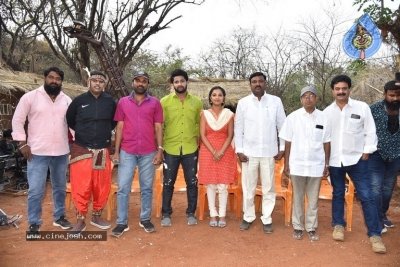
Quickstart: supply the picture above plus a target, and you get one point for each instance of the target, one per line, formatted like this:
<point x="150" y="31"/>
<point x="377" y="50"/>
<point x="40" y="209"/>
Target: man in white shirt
<point x="307" y="133"/>
<point x="353" y="139"/>
<point x="258" y="116"/>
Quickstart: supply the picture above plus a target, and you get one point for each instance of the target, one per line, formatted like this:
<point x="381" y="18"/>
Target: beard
<point x="181" y="91"/>
<point x="140" y="90"/>
<point x="52" y="89"/>
<point x="394" y="105"/>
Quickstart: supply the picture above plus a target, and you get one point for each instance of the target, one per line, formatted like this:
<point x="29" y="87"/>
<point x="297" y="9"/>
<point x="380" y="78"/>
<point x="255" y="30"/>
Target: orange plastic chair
<point x="112" y="200"/>
<point x="281" y="191"/>
<point x="326" y="192"/>
<point x="235" y="196"/>
<point x="180" y="186"/>
<point x="112" y="197"/>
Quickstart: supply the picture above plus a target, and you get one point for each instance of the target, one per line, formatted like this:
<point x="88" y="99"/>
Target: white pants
<point x="222" y="199"/>
<point x="250" y="170"/>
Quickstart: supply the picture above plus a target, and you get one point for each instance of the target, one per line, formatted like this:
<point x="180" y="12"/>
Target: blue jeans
<point x="383" y="179"/>
<point x="126" y="169"/>
<point x="171" y="166"/>
<point x="37" y="174"/>
<point x="362" y="182"/>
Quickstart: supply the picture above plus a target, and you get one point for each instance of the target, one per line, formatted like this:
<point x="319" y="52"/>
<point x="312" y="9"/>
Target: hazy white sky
<point x="201" y="25"/>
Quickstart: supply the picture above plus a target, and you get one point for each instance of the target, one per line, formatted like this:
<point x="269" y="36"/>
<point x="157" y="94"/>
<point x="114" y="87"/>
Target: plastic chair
<point x="234" y="191"/>
<point x="281" y="191"/>
<point x="112" y="197"/>
<point x="326" y="192"/>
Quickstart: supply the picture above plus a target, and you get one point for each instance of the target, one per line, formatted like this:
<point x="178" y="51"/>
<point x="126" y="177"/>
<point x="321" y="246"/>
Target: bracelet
<point x="22" y="146"/>
<point x="215" y="151"/>
<point x="160" y="147"/>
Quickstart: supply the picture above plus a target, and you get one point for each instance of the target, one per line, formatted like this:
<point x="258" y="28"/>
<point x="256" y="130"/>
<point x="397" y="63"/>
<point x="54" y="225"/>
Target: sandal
<point x="213" y="222"/>
<point x="221" y="224"/>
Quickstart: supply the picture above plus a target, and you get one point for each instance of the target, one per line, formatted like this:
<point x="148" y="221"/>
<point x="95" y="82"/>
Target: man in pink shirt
<point x="138" y="142"/>
<point x="46" y="146"/>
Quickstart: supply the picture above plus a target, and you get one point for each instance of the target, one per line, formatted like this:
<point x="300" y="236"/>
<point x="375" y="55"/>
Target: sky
<point x="201" y="25"/>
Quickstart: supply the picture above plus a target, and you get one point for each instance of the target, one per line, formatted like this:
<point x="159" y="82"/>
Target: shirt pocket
<point x="269" y="113"/>
<point x="316" y="138"/>
<point x="353" y="125"/>
<point x="172" y="113"/>
<point x="192" y="114"/>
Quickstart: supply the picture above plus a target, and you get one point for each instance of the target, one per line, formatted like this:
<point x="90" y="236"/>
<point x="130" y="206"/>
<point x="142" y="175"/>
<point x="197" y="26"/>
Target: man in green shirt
<point x="181" y="140"/>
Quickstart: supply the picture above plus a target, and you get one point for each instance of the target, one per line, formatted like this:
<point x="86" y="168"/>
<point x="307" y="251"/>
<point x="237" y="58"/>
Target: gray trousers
<point x="309" y="186"/>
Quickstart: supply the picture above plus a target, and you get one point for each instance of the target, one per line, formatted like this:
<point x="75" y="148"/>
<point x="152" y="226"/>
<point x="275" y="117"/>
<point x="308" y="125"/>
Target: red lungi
<point x="85" y="182"/>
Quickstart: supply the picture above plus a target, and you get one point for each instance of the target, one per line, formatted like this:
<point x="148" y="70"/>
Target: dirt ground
<point x="200" y="245"/>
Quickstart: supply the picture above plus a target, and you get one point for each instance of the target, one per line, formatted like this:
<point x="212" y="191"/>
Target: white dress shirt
<point x="307" y="134"/>
<point x="353" y="132"/>
<point x="256" y="125"/>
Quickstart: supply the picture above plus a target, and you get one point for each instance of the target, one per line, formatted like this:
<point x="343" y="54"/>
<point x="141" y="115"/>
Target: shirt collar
<point x="188" y="95"/>
<point x="133" y="94"/>
<point x="41" y="89"/>
<point x="350" y="102"/>
<point x="264" y="96"/>
<point x="303" y="111"/>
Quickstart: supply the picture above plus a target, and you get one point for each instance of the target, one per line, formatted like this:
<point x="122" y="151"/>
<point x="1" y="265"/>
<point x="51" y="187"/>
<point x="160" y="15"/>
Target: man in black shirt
<point x="91" y="115"/>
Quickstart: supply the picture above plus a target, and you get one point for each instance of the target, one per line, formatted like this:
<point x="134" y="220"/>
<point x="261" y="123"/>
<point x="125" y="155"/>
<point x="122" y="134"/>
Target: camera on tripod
<point x="13" y="167"/>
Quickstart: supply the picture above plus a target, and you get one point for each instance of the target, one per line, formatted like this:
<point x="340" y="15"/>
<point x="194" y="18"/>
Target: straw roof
<point x="13" y="82"/>
<point x="370" y="83"/>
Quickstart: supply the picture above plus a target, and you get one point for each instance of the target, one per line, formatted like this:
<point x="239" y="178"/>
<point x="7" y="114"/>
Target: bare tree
<point x="320" y="40"/>
<point x="281" y="58"/>
<point x="128" y="25"/>
<point x="17" y="34"/>
<point x="232" y="56"/>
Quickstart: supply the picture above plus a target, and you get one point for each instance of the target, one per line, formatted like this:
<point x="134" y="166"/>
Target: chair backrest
<point x="180" y="183"/>
<point x="135" y="182"/>
<point x="279" y="164"/>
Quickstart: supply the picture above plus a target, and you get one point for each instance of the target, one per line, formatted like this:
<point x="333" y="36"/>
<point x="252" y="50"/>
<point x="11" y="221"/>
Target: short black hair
<point x="216" y="88"/>
<point x="56" y="70"/>
<point x="178" y="72"/>
<point x="258" y="73"/>
<point x="391" y="86"/>
<point x="341" y="78"/>
<point x="7" y="133"/>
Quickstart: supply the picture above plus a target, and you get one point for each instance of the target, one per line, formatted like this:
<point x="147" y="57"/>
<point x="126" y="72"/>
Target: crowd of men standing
<point x="347" y="138"/>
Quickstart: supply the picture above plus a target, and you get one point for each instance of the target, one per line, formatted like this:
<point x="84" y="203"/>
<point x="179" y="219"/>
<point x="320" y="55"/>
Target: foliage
<point x="128" y="25"/>
<point x="159" y="67"/>
<point x="387" y="20"/>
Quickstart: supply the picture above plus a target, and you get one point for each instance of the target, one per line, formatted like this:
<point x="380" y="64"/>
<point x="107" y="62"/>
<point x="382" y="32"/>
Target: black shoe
<point x="268" y="228"/>
<point x="119" y="230"/>
<point x="245" y="225"/>
<point x="297" y="234"/>
<point x="33" y="229"/>
<point x="63" y="223"/>
<point x="148" y="226"/>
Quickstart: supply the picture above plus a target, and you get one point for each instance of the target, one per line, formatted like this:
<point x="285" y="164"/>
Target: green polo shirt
<point x="181" y="123"/>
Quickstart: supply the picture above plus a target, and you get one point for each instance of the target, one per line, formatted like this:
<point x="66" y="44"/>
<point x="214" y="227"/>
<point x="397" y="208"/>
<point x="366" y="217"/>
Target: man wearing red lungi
<point x="91" y="115"/>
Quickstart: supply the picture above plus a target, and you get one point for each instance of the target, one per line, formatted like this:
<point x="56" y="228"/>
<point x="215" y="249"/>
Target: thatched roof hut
<point x="369" y="85"/>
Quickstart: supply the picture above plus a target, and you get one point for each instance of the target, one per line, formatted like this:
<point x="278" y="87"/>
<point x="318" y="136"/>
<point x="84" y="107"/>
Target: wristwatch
<point x="327" y="166"/>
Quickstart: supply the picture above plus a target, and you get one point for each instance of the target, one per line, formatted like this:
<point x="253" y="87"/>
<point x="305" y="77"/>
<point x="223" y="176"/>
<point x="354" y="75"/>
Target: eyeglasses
<point x="308" y="96"/>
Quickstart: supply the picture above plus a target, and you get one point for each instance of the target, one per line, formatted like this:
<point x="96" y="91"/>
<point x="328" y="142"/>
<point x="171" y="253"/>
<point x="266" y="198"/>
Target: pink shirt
<point x="138" y="133"/>
<point x="47" y="128"/>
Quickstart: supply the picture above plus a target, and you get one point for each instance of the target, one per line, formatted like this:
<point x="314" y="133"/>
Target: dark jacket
<point x="92" y="119"/>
